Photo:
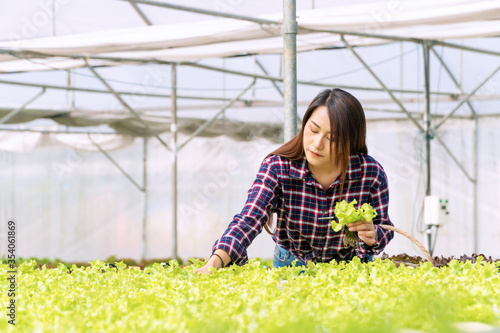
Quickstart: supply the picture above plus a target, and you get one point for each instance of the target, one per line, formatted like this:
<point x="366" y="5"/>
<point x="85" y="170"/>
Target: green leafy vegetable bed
<point x="334" y="297"/>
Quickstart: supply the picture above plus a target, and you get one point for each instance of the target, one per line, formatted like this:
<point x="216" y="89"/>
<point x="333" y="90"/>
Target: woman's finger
<point x="362" y="227"/>
<point x="355" y="224"/>
<point x="367" y="237"/>
<point x="367" y="234"/>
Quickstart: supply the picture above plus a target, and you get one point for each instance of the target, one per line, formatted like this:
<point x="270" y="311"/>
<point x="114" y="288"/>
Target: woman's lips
<point x="314" y="154"/>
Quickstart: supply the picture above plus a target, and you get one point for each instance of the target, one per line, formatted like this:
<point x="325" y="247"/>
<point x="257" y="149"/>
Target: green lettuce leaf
<point x="347" y="213"/>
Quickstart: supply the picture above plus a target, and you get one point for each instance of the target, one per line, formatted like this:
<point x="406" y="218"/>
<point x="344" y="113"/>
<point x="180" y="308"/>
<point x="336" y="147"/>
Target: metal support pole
<point x="427" y="119"/>
<point x="16" y="111"/>
<point x="474" y="184"/>
<point x="173" y="130"/>
<point x="473" y="179"/>
<point x="290" y="29"/>
<point x="427" y="134"/>
<point x="145" y="198"/>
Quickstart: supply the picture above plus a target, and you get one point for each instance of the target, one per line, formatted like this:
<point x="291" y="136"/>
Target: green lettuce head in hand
<point x="347" y="213"/>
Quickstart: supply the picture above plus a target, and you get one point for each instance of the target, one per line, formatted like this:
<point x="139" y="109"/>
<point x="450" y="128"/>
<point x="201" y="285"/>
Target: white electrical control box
<point x="435" y="210"/>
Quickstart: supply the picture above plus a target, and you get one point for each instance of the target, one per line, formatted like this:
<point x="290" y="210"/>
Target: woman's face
<point x="317" y="138"/>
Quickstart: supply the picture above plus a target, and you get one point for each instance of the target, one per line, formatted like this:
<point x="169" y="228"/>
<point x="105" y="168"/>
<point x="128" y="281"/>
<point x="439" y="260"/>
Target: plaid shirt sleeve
<point x="245" y="226"/>
<point x="379" y="199"/>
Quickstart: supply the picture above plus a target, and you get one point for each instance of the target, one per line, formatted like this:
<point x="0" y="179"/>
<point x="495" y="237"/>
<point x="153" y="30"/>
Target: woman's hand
<point x="214" y="261"/>
<point x="366" y="231"/>
<point x="205" y="269"/>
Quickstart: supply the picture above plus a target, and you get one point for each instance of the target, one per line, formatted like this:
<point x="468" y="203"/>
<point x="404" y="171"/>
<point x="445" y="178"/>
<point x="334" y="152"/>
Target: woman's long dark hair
<point x="347" y="125"/>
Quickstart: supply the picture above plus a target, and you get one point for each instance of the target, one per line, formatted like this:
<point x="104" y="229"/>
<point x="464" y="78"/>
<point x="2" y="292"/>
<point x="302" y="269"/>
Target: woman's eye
<point x="328" y="138"/>
<point x="314" y="131"/>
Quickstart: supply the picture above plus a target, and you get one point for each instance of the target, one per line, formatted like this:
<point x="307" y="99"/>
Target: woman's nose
<point x="318" y="142"/>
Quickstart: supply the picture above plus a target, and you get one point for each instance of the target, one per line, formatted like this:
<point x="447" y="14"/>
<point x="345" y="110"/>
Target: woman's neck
<point x="326" y="175"/>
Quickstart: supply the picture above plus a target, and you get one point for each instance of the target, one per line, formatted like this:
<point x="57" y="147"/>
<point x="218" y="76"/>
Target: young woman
<point x="326" y="162"/>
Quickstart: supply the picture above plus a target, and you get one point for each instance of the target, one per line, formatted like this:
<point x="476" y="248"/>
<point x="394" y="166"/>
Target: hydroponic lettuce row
<point x="326" y="297"/>
<point x="439" y="261"/>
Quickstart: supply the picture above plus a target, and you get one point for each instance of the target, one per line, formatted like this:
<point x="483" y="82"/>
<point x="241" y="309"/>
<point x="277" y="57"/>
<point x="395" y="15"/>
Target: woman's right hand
<point x="205" y="269"/>
<point x="214" y="261"/>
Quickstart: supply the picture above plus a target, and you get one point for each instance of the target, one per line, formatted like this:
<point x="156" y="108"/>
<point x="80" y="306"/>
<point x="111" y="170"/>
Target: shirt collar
<point x="300" y="170"/>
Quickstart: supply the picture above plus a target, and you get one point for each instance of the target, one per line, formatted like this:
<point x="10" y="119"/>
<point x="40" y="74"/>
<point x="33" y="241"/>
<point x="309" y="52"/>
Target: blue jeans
<point x="284" y="258"/>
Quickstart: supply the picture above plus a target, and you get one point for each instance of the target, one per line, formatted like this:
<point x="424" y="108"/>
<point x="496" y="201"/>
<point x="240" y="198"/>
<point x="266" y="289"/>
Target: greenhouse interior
<point x="134" y="129"/>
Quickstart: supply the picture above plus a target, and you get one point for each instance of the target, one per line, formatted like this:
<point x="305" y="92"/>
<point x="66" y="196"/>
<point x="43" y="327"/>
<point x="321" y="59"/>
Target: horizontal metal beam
<point x="127" y="93"/>
<point x="364" y="34"/>
<point x="441" y="99"/>
<point x="311" y="83"/>
<point x="153" y="111"/>
<point x="465" y="48"/>
<point x="11" y="128"/>
<point x="418" y="115"/>
<point x="4" y="128"/>
<point x="257" y="76"/>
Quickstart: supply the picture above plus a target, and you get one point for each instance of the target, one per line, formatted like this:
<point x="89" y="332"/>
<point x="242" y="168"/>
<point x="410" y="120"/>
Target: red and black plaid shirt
<point x="289" y="189"/>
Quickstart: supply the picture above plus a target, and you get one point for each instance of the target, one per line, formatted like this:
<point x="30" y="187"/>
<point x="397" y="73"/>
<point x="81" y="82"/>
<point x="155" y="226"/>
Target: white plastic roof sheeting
<point x="430" y="20"/>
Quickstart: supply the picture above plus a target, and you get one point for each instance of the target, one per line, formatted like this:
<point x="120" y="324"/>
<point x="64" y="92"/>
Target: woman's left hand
<point x="366" y="231"/>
